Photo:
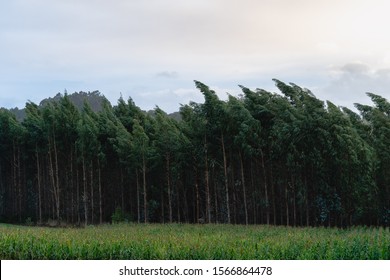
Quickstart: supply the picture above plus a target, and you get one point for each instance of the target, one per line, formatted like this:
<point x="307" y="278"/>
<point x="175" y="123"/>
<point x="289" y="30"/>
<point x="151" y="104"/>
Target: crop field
<point x="183" y="241"/>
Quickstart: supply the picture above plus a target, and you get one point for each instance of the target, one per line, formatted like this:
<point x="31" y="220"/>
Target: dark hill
<point x="94" y="98"/>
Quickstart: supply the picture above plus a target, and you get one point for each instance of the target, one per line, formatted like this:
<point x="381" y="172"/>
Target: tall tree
<point x="245" y="131"/>
<point x="215" y="114"/>
<point x="37" y="140"/>
<point x="89" y="148"/>
<point x="141" y="149"/>
<point x="167" y="143"/>
<point x="50" y="113"/>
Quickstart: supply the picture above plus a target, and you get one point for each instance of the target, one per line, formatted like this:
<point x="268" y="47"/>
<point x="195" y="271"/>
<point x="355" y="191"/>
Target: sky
<point x="153" y="50"/>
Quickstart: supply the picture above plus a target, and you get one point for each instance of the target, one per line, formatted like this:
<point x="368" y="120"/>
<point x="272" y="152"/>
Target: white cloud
<point x="349" y="84"/>
<point x="167" y="74"/>
<point x="167" y="99"/>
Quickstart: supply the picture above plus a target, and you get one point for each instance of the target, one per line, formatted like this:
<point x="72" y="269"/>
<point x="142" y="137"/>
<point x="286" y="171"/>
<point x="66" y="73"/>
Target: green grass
<point x="177" y="241"/>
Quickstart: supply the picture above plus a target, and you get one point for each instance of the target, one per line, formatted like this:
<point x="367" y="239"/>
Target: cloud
<point x="116" y="46"/>
<point x="355" y="69"/>
<point x="167" y="74"/>
<point x="167" y="99"/>
<point x="350" y="82"/>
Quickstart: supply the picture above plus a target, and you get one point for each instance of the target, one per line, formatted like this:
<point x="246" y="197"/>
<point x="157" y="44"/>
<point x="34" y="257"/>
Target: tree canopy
<point x="283" y="158"/>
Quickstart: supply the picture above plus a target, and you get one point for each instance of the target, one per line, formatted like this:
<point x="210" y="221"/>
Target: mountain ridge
<point x="94" y="98"/>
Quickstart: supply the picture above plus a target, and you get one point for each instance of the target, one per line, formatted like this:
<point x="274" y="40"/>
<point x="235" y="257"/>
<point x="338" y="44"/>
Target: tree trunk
<point x="78" y="197"/>
<point x="215" y="202"/>
<point x="39" y="185"/>
<point x="234" y="201"/>
<point x="167" y="160"/>
<point x="57" y="185"/>
<point x="162" y="194"/>
<point x="178" y="202"/>
<point x="53" y="179"/>
<point x="138" y="202"/>
<point x="265" y="186"/>
<point x="287" y="208"/>
<point x="243" y="188"/>
<point x="144" y="185"/>
<point x="85" y="196"/>
<point x="122" y="191"/>
<point x="294" y="207"/>
<point x="196" y="194"/>
<point x="20" y="184"/>
<point x="226" y="178"/>
<point x="273" y="195"/>
<point x="91" y="184"/>
<point x="15" y="180"/>
<point x="253" y="195"/>
<point x="307" y="203"/>
<point x="72" y="184"/>
<point x="100" y="194"/>
<point x="185" y="210"/>
<point x="14" y="183"/>
<point x="206" y="175"/>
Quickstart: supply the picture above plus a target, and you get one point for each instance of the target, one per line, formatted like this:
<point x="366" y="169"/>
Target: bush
<point x="119" y="216"/>
<point x="29" y="222"/>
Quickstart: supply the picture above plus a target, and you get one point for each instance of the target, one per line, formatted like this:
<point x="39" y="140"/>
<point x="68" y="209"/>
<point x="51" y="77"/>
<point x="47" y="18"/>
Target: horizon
<point x="115" y="103"/>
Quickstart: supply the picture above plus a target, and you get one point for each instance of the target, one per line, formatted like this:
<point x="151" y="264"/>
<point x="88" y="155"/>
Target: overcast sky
<point x="152" y="50"/>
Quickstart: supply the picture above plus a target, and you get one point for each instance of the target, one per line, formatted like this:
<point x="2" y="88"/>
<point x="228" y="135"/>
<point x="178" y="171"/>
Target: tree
<point x="215" y="115"/>
<point x="50" y="113"/>
<point x="12" y="139"/>
<point x="378" y="120"/>
<point x="167" y="144"/>
<point x="89" y="147"/>
<point x="245" y="131"/>
<point x="37" y="141"/>
<point x="193" y="127"/>
<point x="141" y="149"/>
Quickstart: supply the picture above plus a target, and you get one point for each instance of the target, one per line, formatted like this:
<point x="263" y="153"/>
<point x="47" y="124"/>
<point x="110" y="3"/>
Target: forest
<point x="283" y="158"/>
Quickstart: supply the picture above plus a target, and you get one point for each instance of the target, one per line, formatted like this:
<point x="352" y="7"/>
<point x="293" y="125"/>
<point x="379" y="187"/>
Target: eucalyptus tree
<point x="214" y="111"/>
<point x="302" y="134"/>
<point x="140" y="129"/>
<point x="182" y="168"/>
<point x="246" y="132"/>
<point x="193" y="126"/>
<point x="12" y="165"/>
<point x="141" y="149"/>
<point x="128" y="112"/>
<point x="168" y="145"/>
<point x="378" y="120"/>
<point x="122" y="144"/>
<point x="89" y="147"/>
<point x="38" y="141"/>
<point x="52" y="126"/>
<point x="109" y="156"/>
<point x="350" y="165"/>
<point x="263" y="107"/>
<point x="67" y="118"/>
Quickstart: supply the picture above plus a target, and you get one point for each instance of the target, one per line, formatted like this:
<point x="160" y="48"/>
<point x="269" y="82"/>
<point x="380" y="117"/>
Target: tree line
<point x="283" y="158"/>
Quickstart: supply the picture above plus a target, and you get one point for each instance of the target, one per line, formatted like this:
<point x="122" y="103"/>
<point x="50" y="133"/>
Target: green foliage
<point x="119" y="216"/>
<point x="283" y="158"/>
<point x="29" y="222"/>
<point x="193" y="242"/>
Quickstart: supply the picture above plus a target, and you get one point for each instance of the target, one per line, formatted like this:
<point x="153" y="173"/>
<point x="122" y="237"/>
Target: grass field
<point x="177" y="241"/>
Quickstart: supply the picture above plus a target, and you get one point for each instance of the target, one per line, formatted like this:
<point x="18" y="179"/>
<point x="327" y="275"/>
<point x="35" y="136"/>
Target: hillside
<point x="94" y="98"/>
